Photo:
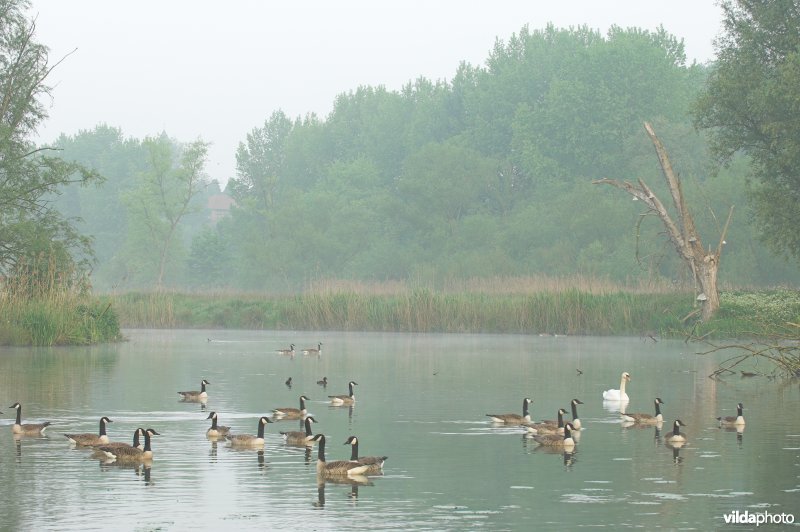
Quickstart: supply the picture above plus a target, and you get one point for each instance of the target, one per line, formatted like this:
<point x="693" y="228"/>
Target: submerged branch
<point x="781" y="349"/>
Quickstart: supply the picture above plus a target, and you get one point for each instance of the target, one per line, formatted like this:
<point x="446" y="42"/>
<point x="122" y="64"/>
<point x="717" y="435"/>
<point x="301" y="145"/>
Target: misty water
<point x="421" y="400"/>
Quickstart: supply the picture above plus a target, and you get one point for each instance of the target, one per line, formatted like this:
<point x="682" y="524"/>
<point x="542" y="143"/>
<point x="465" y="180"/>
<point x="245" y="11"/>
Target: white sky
<point x="217" y="69"/>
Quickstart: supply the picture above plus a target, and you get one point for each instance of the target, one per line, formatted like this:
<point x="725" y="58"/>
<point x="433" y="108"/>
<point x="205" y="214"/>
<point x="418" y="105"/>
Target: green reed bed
<point x="416" y="310"/>
<point x="540" y="305"/>
<point x="55" y="317"/>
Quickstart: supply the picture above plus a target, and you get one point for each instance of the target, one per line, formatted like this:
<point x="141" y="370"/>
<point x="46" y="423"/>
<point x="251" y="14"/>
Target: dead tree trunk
<point x="703" y="263"/>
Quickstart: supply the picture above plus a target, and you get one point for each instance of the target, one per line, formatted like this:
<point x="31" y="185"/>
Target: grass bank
<point x="574" y="306"/>
<point x="55" y="316"/>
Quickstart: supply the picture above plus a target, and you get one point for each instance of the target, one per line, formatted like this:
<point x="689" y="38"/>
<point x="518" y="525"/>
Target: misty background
<point x="195" y="69"/>
<point x="483" y="173"/>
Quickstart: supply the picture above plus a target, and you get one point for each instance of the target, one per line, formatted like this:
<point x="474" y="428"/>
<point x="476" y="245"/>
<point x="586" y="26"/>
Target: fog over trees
<point x="487" y="174"/>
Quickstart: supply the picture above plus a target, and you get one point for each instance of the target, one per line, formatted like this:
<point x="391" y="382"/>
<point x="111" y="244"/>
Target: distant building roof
<point x="220" y="206"/>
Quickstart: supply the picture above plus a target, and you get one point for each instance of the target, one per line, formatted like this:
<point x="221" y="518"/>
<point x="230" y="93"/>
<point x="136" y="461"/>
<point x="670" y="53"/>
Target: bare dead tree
<point x="682" y="233"/>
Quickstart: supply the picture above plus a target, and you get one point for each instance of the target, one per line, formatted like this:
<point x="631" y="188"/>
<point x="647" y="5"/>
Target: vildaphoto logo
<point x="757" y="518"/>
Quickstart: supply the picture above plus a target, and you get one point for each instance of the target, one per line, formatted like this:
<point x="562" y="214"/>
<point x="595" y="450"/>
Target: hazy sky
<point x="215" y="70"/>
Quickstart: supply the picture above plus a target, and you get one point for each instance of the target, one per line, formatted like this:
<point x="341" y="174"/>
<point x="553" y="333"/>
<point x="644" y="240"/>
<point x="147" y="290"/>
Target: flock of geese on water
<point x="139" y="451"/>
<point x="557" y="434"/>
<point x="554" y="434"/>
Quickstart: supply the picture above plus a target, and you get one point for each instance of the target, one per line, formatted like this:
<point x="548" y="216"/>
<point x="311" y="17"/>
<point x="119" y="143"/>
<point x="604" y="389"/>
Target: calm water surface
<point x="421" y="400"/>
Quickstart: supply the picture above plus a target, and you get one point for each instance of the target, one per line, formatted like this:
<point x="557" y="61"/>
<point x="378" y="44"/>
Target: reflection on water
<point x="140" y="471"/>
<point x="354" y="481"/>
<point x="421" y="400"/>
<point x="676" y="451"/>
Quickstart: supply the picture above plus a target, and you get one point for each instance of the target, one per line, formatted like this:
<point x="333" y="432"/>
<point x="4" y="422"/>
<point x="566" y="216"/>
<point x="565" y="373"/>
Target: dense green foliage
<point x="44" y="259"/>
<point x="144" y="218"/>
<point x="32" y="232"/>
<point x="486" y="174"/>
<point x="162" y="197"/>
<point x="752" y="105"/>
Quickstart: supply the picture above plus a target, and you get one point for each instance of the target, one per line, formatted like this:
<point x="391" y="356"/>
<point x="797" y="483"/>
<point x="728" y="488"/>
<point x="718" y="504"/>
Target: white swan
<point x="618" y="395"/>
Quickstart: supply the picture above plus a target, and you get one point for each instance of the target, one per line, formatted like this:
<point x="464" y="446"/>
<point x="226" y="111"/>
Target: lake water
<point x="421" y="400"/>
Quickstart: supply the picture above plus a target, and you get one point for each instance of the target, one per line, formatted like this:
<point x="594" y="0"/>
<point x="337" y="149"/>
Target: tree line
<point x="486" y="174"/>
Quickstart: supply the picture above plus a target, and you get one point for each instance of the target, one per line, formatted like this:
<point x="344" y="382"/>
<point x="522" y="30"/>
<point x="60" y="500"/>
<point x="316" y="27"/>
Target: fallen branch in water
<point x="781" y="349"/>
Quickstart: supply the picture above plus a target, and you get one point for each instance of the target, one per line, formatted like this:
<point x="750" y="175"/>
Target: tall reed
<point x="499" y="305"/>
<point x="40" y="307"/>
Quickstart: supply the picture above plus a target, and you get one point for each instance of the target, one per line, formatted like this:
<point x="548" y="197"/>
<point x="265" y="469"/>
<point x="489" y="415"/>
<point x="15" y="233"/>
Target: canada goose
<point x="344" y="399"/>
<point x="558" y="422"/>
<point x="90" y="439"/>
<point x="248" y="440"/>
<point x="549" y="426"/>
<point x="733" y="421"/>
<point x="676" y="436"/>
<point x="514" y="419"/>
<point x="27" y="429"/>
<point x="646" y="419"/>
<point x="557" y="440"/>
<point x="137" y="434"/>
<point x="323" y="382"/>
<point x="121" y="453"/>
<point x="289" y="351"/>
<point x="576" y="421"/>
<point x="292" y="413"/>
<point x="618" y="395"/>
<point x="375" y="463"/>
<point x="298" y="437"/>
<point x="216" y="431"/>
<point x="337" y="468"/>
<point x="195" y="395"/>
<point x="313" y="351"/>
<point x="288" y="382"/>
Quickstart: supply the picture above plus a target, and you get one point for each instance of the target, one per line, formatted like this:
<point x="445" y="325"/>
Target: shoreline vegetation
<point x="508" y="305"/>
<point x="529" y="305"/>
<point x="42" y="310"/>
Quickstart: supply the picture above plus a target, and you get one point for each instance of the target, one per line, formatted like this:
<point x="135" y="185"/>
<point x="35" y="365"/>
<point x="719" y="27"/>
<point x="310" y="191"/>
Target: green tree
<point x="260" y="163"/>
<point x="163" y="197"/>
<point x="579" y="115"/>
<point x="209" y="261"/>
<point x="435" y="113"/>
<point x="102" y="212"/>
<point x="31" y="231"/>
<point x="260" y="190"/>
<point x="439" y="186"/>
<point x="309" y="151"/>
<point x="371" y="122"/>
<point x="752" y="104"/>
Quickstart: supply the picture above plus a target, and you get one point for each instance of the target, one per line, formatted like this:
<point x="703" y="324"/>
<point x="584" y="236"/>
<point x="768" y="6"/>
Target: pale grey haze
<point x="216" y="70"/>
